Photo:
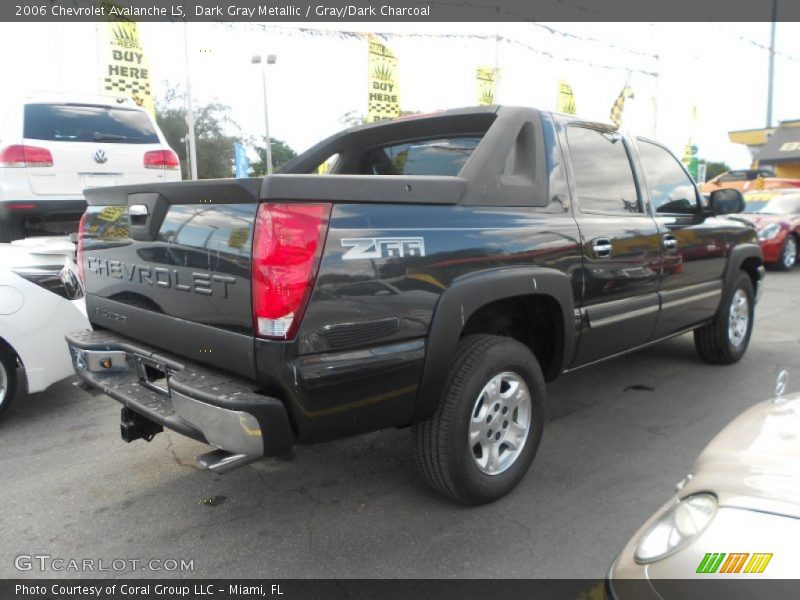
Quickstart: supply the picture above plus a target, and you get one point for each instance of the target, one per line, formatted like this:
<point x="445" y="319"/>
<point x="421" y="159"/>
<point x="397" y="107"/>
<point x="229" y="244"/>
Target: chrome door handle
<point x="670" y="242"/>
<point x="601" y="247"/>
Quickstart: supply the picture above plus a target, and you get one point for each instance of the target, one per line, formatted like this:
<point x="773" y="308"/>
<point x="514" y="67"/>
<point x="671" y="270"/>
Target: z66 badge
<point x="366" y="248"/>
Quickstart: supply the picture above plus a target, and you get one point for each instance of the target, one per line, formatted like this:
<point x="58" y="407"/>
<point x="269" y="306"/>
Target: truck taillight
<point x="79" y="257"/>
<point x="287" y="248"/>
<point x="25" y="156"/>
<point x="161" y="159"/>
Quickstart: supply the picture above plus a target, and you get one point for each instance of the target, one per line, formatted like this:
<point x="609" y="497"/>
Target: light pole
<point x="771" y="75"/>
<point x="192" y="155"/>
<point x="270" y="59"/>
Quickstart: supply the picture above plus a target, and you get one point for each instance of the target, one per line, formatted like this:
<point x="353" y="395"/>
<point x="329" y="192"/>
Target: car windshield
<point x="783" y="205"/>
<point x="754" y="206"/>
<point x="88" y="123"/>
<point x="734" y="176"/>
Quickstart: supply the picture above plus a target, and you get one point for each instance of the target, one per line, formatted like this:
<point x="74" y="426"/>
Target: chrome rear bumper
<point x="204" y="404"/>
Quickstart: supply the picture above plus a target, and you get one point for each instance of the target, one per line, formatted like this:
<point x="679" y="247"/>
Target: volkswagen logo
<point x="100" y="156"/>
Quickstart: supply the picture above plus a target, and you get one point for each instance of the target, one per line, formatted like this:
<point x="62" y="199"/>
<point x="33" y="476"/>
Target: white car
<point x="40" y="301"/>
<point x="735" y="516"/>
<point x="52" y="148"/>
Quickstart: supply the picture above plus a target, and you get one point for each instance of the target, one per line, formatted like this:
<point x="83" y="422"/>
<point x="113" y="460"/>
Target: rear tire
<point x="8" y="380"/>
<point x="482" y="439"/>
<point x="724" y="340"/>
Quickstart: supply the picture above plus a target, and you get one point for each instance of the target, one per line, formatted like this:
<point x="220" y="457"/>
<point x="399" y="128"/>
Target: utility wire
<point x="344" y="34"/>
<point x="759" y="45"/>
<point x="574" y="36"/>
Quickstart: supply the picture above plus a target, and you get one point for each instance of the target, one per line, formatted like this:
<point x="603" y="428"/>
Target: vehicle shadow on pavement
<point x="620" y="434"/>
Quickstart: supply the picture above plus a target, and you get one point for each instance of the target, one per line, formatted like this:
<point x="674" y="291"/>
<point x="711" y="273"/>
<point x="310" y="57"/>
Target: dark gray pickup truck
<point x="445" y="268"/>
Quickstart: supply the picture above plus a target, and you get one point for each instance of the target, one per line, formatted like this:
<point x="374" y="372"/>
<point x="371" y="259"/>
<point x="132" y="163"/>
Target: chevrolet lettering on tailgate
<point x="197" y="282"/>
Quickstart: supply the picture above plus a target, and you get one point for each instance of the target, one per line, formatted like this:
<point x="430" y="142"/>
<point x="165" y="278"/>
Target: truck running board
<point x="222" y="461"/>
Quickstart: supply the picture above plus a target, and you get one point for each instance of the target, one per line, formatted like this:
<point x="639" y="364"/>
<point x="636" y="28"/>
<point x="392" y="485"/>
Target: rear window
<point x="88" y="123"/>
<point x="441" y="156"/>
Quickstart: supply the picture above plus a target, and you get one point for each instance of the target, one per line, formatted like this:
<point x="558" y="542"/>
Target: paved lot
<point x="620" y="435"/>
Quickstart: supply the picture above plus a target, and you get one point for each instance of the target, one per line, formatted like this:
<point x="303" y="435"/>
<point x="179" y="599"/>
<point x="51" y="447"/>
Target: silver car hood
<point x="754" y="463"/>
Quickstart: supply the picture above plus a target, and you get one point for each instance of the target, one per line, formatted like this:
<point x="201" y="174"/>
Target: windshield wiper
<point x="113" y="137"/>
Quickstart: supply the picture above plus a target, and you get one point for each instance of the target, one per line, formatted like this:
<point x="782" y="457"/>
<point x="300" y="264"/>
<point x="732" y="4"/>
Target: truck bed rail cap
<point x="210" y="191"/>
<point x="408" y="189"/>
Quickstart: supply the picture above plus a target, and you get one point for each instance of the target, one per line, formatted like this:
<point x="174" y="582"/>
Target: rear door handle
<point x="670" y="242"/>
<point x="601" y="247"/>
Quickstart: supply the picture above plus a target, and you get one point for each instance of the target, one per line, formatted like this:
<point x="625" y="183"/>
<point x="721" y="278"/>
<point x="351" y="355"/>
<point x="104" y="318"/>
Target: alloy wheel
<point x="500" y="423"/>
<point x="738" y="318"/>
<point x="789" y="256"/>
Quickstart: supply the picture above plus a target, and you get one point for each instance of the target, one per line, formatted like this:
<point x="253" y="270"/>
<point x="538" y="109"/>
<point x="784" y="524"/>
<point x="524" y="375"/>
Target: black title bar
<point x="398" y="10"/>
<point x="386" y="589"/>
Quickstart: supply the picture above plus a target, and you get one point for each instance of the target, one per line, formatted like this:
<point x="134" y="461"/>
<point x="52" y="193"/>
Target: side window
<point x="603" y="173"/>
<point x="671" y="190"/>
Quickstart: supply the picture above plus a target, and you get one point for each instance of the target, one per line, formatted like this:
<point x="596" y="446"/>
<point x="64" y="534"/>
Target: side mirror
<point x="726" y="201"/>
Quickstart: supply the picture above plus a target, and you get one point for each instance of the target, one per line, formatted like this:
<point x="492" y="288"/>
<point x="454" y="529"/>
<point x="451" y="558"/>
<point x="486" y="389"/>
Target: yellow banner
<point x="619" y="106"/>
<point x="487" y="84"/>
<point x="123" y="64"/>
<point x="384" y="95"/>
<point x="566" y="99"/>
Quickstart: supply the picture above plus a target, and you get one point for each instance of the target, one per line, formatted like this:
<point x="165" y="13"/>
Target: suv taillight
<point x="287" y="247"/>
<point x="79" y="257"/>
<point x="161" y="159"/>
<point x="25" y="156"/>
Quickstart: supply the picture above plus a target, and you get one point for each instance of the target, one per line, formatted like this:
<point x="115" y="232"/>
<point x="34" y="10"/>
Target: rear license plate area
<point x="153" y="375"/>
<point x="91" y="180"/>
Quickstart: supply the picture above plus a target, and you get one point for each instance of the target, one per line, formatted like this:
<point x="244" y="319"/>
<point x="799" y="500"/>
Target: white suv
<point x="52" y="149"/>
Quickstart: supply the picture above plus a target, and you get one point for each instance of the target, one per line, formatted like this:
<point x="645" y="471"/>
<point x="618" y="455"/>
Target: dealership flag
<point x="619" y="105"/>
<point x="690" y="151"/>
<point x="123" y="64"/>
<point x="566" y="99"/>
<point x="241" y="162"/>
<point x="384" y="96"/>
<point x="487" y="82"/>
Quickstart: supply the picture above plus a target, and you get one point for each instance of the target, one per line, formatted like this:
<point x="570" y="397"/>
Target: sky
<point x="718" y="68"/>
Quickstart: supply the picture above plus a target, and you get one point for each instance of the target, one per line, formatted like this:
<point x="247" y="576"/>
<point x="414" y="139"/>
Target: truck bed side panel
<point x="357" y="361"/>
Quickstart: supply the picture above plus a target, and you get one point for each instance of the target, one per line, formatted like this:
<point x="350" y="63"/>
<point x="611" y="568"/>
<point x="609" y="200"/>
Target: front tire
<point x="724" y="340"/>
<point x="482" y="439"/>
<point x="8" y="380"/>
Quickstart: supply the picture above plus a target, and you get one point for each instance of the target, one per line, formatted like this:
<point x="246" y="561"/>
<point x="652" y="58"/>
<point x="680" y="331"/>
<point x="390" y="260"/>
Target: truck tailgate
<point x="174" y="274"/>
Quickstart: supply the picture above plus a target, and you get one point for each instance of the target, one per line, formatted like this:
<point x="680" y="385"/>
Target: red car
<point x="776" y="215"/>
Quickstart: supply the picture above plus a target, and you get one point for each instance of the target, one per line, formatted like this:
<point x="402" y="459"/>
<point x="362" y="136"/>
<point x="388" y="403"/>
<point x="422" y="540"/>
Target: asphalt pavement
<point x="620" y="435"/>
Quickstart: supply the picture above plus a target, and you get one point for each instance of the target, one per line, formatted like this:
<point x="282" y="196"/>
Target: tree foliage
<point x="715" y="168"/>
<point x="352" y="118"/>
<point x="216" y="133"/>
<point x="281" y="154"/>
